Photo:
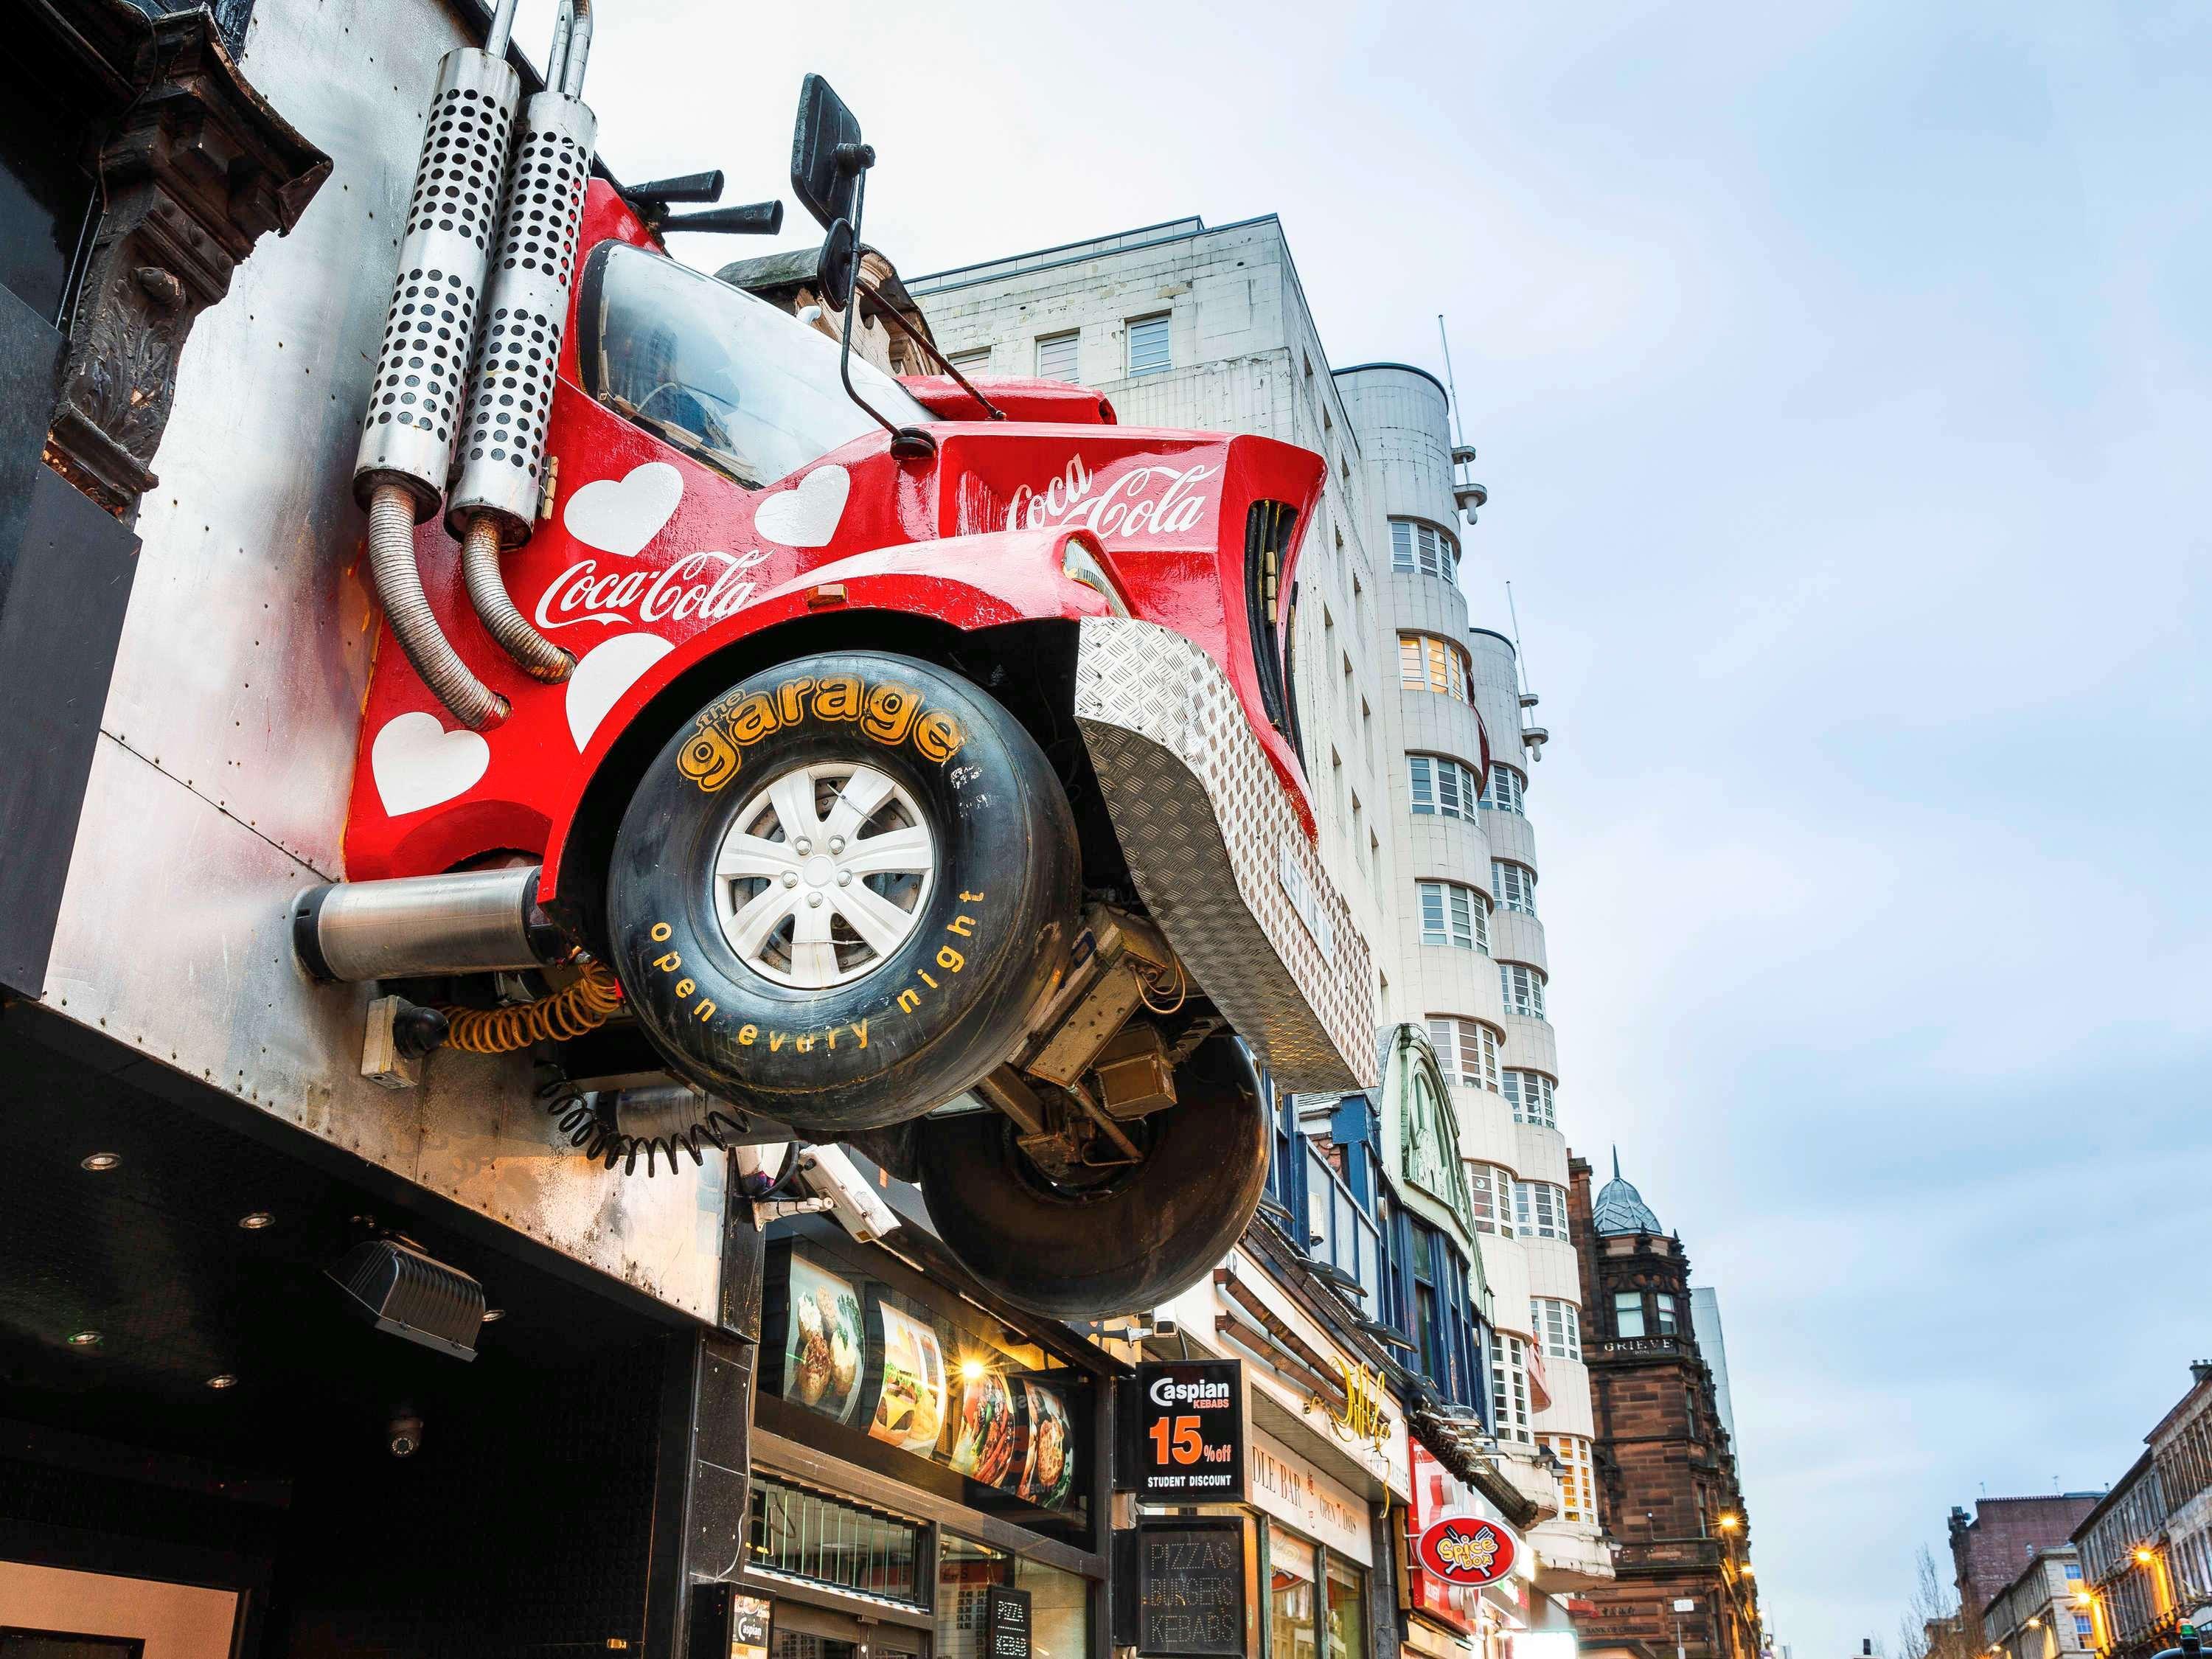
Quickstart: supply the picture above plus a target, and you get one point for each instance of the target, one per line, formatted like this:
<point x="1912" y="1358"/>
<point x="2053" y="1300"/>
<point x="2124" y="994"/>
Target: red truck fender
<point x="1005" y="577"/>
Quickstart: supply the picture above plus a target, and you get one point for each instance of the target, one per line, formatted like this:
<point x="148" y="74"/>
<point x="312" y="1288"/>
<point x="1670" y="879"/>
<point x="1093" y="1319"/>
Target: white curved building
<point x="1471" y="942"/>
<point x="1184" y="324"/>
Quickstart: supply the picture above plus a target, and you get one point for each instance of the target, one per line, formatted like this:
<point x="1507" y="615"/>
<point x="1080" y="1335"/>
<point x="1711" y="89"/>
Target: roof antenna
<point x="1459" y="427"/>
<point x="1532" y="738"/>
<point x="1466" y="495"/>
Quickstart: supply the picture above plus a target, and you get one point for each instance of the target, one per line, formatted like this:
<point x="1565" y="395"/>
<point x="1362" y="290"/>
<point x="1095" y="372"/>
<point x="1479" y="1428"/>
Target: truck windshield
<point x="749" y="389"/>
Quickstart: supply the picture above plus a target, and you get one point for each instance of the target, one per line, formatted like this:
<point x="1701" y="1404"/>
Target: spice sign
<point x="1189" y="1444"/>
<point x="1006" y="1623"/>
<point x="1464" y="1549"/>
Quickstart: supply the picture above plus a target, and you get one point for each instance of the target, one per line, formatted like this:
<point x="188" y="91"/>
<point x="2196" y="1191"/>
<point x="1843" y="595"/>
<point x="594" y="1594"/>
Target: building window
<point x="1628" y="1313"/>
<point x="1523" y="988"/>
<point x="1291" y="1563"/>
<point x="1467" y="1050"/>
<point x="1422" y="547"/>
<point x="1055" y="355"/>
<point x="1559" y="1326"/>
<point x="1347" y="1610"/>
<point x="1505" y="785"/>
<point x="1441" y="785"/>
<point x="1515" y="884"/>
<point x="1663" y="1305"/>
<point x="2085" y="1629"/>
<point x="1148" y="345"/>
<point x="1428" y="1313"/>
<point x="1540" y="1209"/>
<point x="1426" y="663"/>
<point x="1577" y="1491"/>
<point x="1529" y="1093"/>
<point x="2072" y="1568"/>
<point x="805" y="1534"/>
<point x="1509" y="1378"/>
<point x="977" y="361"/>
<point x="1491" y="1189"/>
<point x="1455" y="914"/>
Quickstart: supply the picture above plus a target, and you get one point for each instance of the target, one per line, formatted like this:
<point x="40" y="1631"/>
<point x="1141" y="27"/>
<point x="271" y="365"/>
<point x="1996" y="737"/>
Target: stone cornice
<point x="194" y="165"/>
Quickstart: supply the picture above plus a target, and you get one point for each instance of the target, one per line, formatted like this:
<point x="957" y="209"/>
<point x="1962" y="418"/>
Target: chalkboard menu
<point x="1006" y="1623"/>
<point x="1187" y="1579"/>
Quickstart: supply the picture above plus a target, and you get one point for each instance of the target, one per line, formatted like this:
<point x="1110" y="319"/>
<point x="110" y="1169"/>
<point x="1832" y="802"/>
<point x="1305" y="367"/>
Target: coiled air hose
<point x="585" y="1005"/>
<point x="597" y="1134"/>
<point x="399" y="586"/>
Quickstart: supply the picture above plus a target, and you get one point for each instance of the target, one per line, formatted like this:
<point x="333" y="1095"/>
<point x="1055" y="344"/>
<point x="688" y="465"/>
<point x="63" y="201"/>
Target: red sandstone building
<point x="1990" y="1548"/>
<point x="1666" y="1486"/>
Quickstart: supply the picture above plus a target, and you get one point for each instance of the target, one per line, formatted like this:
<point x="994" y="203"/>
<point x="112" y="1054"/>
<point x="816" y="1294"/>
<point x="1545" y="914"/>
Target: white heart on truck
<point x="621" y="515"/>
<point x="608" y="669"/>
<point x="416" y="762"/>
<point x="806" y="515"/>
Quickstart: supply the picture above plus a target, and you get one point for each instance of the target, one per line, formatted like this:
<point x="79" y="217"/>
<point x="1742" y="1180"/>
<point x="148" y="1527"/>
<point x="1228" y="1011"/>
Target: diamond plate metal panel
<point x="1216" y="850"/>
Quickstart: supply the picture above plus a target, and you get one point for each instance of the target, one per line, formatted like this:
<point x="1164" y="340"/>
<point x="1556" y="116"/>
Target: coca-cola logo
<point x="698" y="587"/>
<point x="1152" y="499"/>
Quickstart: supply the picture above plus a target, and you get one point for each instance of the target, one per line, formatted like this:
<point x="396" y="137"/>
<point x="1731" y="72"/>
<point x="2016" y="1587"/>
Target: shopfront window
<point x="1347" y="1611"/>
<point x="1060" y="1602"/>
<point x="1289" y="1597"/>
<point x="797" y="1534"/>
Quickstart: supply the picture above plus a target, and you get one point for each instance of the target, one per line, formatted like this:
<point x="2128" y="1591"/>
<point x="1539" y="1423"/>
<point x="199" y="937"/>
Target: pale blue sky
<point x="1839" y="374"/>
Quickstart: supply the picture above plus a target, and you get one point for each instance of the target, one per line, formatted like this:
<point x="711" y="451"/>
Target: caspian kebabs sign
<point x="1189" y="1440"/>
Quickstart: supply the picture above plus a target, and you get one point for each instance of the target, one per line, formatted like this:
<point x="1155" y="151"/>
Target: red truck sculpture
<point x="922" y="762"/>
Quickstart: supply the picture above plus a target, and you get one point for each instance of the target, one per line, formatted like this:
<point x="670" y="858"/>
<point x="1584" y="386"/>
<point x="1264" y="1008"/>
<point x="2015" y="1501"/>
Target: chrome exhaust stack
<point x="499" y="457"/>
<point x="474" y="921"/>
<point x="407" y="438"/>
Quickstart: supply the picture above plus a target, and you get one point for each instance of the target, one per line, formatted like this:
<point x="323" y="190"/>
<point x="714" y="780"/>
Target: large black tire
<point x="864" y="1036"/>
<point x="1125" y="1246"/>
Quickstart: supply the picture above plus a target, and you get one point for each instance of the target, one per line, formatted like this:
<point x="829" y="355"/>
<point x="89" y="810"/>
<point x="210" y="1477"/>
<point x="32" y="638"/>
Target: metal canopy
<point x="154" y="1257"/>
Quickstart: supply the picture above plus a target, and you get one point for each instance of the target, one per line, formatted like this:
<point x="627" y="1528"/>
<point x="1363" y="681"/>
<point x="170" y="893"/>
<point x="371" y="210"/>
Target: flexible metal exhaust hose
<point x="400" y="589"/>
<point x="535" y="655"/>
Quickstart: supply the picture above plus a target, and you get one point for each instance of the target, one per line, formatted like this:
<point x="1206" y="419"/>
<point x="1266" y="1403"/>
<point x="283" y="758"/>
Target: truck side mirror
<point x="827" y="155"/>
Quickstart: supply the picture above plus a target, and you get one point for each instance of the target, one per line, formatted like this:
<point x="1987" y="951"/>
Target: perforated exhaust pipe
<point x="407" y="438"/>
<point x="498" y="459"/>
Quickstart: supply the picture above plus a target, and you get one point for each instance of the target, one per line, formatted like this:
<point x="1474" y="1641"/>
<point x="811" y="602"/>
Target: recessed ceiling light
<point x="222" y="1380"/>
<point x="99" y="1163"/>
<point x="493" y="1315"/>
<point x="84" y="1339"/>
<point x="257" y="1221"/>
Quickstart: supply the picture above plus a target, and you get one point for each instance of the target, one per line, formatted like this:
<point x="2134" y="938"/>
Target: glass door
<point x="801" y="1631"/>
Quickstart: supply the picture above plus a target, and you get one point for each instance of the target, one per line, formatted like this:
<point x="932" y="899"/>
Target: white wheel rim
<point x="824" y="874"/>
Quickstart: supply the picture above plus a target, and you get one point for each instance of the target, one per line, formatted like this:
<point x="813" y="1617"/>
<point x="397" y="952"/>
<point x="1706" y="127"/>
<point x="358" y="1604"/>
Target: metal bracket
<point x="766" y="1210"/>
<point x="400" y="1036"/>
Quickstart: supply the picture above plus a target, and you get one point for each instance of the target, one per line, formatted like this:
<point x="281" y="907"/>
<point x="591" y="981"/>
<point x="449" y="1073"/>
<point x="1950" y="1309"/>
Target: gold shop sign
<point x="1365" y="1415"/>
